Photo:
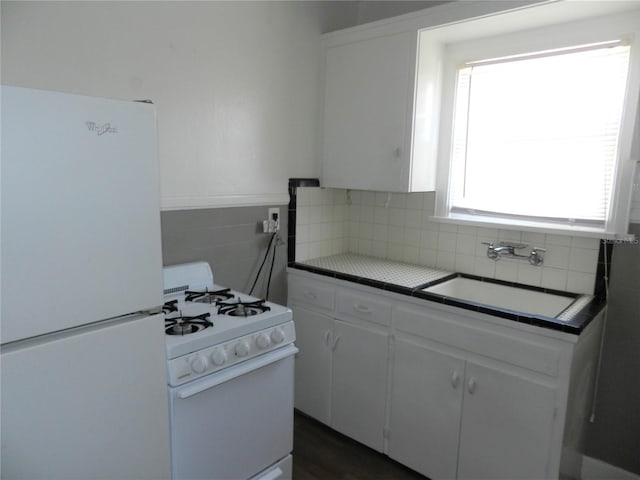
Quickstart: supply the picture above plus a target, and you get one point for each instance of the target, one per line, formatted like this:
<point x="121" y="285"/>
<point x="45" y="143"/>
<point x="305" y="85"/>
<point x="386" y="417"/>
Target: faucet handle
<point x="536" y="259"/>
<point x="490" y="244"/>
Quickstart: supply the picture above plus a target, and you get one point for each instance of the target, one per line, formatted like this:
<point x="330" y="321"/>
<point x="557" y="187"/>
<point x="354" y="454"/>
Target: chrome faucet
<point x="506" y="249"/>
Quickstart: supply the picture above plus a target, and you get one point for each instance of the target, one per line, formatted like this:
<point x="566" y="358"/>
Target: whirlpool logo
<point x="101" y="129"/>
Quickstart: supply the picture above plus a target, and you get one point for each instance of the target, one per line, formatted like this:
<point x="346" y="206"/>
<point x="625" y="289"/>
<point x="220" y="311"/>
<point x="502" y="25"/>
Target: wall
<point x="236" y="84"/>
<point x="615" y="435"/>
<point x="370" y="11"/>
<point x="397" y="227"/>
<point x="236" y="88"/>
<point x="231" y="240"/>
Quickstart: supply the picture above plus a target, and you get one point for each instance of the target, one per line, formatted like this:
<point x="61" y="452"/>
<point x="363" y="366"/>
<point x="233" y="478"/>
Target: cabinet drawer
<point x="313" y="294"/>
<point x="364" y="307"/>
<point x="500" y="346"/>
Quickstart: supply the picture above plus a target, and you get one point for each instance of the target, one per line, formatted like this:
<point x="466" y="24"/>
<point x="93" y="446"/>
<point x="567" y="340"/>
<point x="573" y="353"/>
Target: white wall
<point x="236" y="84"/>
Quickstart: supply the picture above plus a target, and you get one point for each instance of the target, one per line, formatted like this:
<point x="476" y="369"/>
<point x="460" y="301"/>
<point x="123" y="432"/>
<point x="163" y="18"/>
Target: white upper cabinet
<point x="375" y="135"/>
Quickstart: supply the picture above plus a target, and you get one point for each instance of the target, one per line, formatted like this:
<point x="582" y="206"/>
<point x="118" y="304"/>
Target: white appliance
<point x="230" y="360"/>
<point x="83" y="389"/>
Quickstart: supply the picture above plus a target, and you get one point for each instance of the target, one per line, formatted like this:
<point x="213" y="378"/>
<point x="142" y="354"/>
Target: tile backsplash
<point x="398" y="227"/>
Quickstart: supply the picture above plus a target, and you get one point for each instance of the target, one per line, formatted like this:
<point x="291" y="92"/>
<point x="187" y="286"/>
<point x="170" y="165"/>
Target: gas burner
<point x="186" y="325"/>
<point x="242" y="309"/>
<point x="170" y="307"/>
<point x="207" y="296"/>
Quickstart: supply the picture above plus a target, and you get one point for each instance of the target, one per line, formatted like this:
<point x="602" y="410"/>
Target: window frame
<point x="562" y="35"/>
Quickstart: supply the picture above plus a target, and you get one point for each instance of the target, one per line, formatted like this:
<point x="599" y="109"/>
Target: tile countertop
<point x="408" y="279"/>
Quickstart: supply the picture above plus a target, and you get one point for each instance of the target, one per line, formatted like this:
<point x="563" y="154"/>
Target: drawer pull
<point x="335" y="343"/>
<point x="471" y="386"/>
<point x="327" y="338"/>
<point x="361" y="308"/>
<point x="455" y="378"/>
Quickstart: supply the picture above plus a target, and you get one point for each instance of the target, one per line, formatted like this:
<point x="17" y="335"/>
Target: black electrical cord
<point x="273" y="260"/>
<point x="266" y="254"/>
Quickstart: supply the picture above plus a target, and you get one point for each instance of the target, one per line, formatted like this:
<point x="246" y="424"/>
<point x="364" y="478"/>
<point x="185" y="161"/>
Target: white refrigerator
<point x="83" y="369"/>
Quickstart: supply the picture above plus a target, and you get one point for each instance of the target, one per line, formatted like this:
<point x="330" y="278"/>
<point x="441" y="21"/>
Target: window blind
<point x="537" y="136"/>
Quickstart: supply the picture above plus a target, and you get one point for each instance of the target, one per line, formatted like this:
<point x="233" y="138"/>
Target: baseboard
<point x="593" y="469"/>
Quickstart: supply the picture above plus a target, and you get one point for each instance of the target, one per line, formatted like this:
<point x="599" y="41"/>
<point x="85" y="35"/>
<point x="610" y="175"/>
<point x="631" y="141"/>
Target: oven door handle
<point x="238" y="370"/>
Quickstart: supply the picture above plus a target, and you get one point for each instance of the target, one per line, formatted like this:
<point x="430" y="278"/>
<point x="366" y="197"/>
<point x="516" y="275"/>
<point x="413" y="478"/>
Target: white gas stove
<point x="210" y="327"/>
<point x="230" y="360"/>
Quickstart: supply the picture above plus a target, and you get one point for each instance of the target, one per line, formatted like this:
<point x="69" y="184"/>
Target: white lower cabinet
<point x="314" y="333"/>
<point x="359" y="386"/>
<point x="448" y="392"/>
<point x="341" y="368"/>
<point x="452" y="418"/>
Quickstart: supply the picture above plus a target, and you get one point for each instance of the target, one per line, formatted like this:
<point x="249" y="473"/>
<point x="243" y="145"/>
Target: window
<point x="536" y="135"/>
<point x="536" y="129"/>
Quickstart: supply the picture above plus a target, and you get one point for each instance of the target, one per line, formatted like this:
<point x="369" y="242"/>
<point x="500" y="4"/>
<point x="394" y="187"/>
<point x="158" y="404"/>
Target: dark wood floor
<point x="320" y="453"/>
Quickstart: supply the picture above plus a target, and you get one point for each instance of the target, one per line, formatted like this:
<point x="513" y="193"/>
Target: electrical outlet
<point x="273" y="221"/>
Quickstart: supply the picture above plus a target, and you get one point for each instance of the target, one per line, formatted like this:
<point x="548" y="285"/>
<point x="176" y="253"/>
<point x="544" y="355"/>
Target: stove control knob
<point x="242" y="349"/>
<point x="199" y="364"/>
<point x="218" y="357"/>
<point x="277" y="335"/>
<point x="263" y="341"/>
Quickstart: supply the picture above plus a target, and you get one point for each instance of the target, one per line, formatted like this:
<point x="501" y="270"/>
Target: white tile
<point x="415" y="201"/>
<point x="398" y="200"/>
<point x="339" y="196"/>
<point x="302" y="215"/>
<point x="411" y="255"/>
<point x="429" y="239"/>
<point x="412" y="237"/>
<point x="339" y="213"/>
<point x="354" y="213"/>
<point x="534" y="239"/>
<point x="484" y="267"/>
<point x="366" y="214"/>
<point x="465" y="263"/>
<point x="365" y="231"/>
<point x="561" y="240"/>
<point x="512" y="236"/>
<point x="365" y="246"/>
<point x="507" y="271"/>
<point x="468" y="230"/>
<point x="447" y="227"/>
<point x="380" y="199"/>
<point x="381" y="215"/>
<point x="302" y="233"/>
<point x="529" y="275"/>
<point x="368" y="198"/>
<point x="356" y="197"/>
<point x="395" y="252"/>
<point x="380" y="233"/>
<point x="302" y="252"/>
<point x="396" y="217"/>
<point x="580" y="282"/>
<point x="379" y="249"/>
<point x="326" y="213"/>
<point x="557" y="256"/>
<point x="466" y="244"/>
<point x="413" y="218"/>
<point x="429" y="203"/>
<point x="353" y="229"/>
<point x="583" y="260"/>
<point x="427" y="223"/>
<point x="428" y="257"/>
<point x="555" y="278"/>
<point x="489" y="233"/>
<point x="446" y="242"/>
<point x="585" y="242"/>
<point x="446" y="260"/>
<point x="396" y="235"/>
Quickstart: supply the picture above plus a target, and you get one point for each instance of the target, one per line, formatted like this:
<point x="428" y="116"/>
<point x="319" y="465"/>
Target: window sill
<point x="523" y="226"/>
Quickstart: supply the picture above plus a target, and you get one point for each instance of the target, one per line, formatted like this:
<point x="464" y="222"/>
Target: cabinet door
<point x="507" y="425"/>
<point x="367" y="116"/>
<point x="313" y="363"/>
<point x="426" y="401"/>
<point x="359" y="383"/>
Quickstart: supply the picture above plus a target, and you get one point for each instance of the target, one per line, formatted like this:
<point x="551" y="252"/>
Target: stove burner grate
<point x="207" y="296"/>
<point x="170" y="307"/>
<point x="186" y="325"/>
<point x="242" y="309"/>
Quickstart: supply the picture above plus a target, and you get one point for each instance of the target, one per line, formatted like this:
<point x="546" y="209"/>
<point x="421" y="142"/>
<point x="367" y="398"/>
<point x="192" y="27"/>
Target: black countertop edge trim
<point x="304" y="182"/>
<point x="575" y="326"/>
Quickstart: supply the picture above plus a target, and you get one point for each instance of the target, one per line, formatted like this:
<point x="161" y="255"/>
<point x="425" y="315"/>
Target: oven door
<point x="234" y="423"/>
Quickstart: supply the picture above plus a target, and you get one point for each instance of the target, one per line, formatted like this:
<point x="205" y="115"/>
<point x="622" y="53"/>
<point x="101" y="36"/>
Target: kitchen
<point x="237" y="88"/>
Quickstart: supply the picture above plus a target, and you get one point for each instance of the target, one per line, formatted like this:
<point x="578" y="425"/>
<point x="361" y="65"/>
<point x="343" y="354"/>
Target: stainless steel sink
<point x="503" y="296"/>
